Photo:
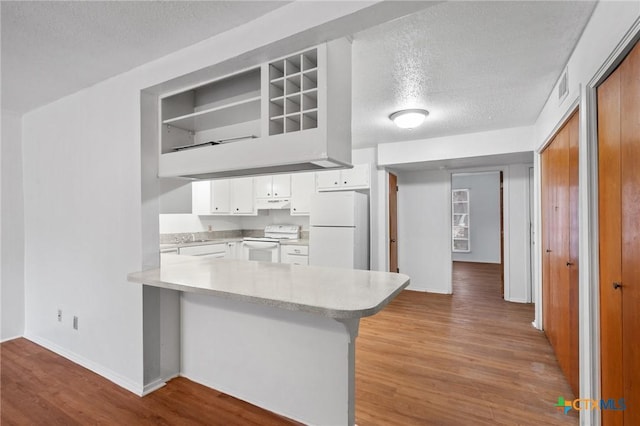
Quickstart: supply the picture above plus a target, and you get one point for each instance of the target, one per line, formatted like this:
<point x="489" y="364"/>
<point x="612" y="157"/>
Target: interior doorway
<point x="393" y="223"/>
<point x="477" y="233"/>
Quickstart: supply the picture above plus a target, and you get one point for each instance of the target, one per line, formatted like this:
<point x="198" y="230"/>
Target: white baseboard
<point x="516" y="300"/>
<point x="89" y="365"/>
<point x="6" y="339"/>
<point x="153" y="386"/>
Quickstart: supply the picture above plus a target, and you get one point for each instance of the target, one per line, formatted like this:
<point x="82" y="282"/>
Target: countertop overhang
<point x="332" y="292"/>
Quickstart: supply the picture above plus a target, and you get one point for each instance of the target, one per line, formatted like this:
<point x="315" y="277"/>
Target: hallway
<point x="467" y="358"/>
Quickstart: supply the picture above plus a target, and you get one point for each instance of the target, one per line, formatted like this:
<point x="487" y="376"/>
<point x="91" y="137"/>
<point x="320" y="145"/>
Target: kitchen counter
<point x="332" y="292"/>
<point x="198" y="243"/>
<point x="279" y="336"/>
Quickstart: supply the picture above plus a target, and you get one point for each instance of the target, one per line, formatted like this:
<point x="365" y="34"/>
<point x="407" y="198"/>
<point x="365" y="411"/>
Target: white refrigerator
<point x="339" y="230"/>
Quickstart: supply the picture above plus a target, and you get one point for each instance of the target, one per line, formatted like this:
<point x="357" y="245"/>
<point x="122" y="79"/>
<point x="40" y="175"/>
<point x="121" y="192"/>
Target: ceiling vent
<point x="563" y="86"/>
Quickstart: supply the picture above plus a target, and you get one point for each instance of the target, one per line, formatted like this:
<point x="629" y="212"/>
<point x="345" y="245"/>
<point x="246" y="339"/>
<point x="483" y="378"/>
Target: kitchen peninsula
<point x="280" y="336"/>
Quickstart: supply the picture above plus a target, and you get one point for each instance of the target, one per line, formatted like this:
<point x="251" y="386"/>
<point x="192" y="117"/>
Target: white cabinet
<point x="242" y="196"/>
<point x="233" y="249"/>
<point x="218" y="250"/>
<point x="201" y="197"/>
<point x="220" y="191"/>
<point x="224" y="197"/>
<point x="294" y="254"/>
<point x="338" y="180"/>
<point x="275" y="186"/>
<point x="302" y="186"/>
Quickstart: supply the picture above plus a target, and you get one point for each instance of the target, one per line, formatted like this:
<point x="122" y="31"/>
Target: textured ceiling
<point x="475" y="66"/>
<point x="53" y="48"/>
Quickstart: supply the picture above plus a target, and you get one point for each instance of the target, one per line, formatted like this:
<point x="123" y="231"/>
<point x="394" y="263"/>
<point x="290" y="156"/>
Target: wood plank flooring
<point x="427" y="359"/>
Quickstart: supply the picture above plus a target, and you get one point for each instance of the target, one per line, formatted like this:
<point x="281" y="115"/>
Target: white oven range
<point x="267" y="248"/>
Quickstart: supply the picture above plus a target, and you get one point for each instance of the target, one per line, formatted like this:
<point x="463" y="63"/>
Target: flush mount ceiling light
<point x="409" y="118"/>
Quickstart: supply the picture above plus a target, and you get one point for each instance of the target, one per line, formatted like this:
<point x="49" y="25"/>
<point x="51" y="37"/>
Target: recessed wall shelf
<point x="460" y="221"/>
<point x="293" y="93"/>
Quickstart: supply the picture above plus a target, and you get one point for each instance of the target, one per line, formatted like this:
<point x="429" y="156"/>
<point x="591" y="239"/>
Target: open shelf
<point x="293" y="93"/>
<point x="217" y="116"/>
<point x="228" y="106"/>
<point x="460" y="242"/>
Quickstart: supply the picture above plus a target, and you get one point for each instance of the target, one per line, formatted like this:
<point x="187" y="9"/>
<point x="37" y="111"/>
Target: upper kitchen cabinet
<point x="346" y="179"/>
<point x="302" y="187"/>
<point x="288" y="114"/>
<point x="276" y="186"/>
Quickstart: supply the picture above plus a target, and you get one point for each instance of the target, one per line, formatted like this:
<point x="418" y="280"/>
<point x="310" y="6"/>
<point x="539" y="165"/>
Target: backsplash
<point x="215" y="235"/>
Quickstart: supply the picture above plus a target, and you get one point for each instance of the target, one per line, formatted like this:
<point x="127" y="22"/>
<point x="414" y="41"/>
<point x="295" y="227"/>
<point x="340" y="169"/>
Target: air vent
<point x="563" y="86"/>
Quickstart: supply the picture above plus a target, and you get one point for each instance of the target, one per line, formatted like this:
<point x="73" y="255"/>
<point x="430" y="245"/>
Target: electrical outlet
<point x="59" y="315"/>
<point x="75" y="323"/>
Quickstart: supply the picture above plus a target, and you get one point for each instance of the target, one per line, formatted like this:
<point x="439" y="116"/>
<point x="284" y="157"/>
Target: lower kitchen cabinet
<point x="294" y="254"/>
<point x="234" y="250"/>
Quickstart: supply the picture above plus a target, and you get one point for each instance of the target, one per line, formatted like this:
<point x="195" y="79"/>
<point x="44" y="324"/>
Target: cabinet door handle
<point x="548" y="251"/>
<point x="345" y="182"/>
<point x="393" y="241"/>
<point x="617" y="286"/>
<point x="276" y="194"/>
<point x="569" y="264"/>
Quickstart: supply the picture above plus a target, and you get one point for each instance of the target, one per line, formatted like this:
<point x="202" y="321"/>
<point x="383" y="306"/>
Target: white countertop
<point x="332" y="292"/>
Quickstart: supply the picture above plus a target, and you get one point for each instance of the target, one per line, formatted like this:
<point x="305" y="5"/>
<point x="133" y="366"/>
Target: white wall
<point x="495" y="142"/>
<point x="517" y="268"/>
<point x="83" y="205"/>
<point x="424" y="239"/>
<point x="606" y="28"/>
<point x="12" y="318"/>
<point x="484" y="213"/>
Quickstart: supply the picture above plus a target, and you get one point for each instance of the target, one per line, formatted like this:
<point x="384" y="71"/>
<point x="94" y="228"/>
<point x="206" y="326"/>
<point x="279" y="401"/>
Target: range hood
<point x="267" y="204"/>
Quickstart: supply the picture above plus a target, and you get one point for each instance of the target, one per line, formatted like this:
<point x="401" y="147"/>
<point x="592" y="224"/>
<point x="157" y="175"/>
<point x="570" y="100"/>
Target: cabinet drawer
<point x="295" y="250"/>
<point x="295" y="259"/>
<point x="203" y="250"/>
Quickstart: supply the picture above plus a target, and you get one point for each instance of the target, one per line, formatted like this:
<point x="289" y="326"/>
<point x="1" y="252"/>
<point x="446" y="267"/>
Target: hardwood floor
<point x="462" y="359"/>
<point x="427" y="359"/>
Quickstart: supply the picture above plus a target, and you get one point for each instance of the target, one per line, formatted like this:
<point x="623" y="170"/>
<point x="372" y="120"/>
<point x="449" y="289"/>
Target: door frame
<point x="590" y="380"/>
<point x="504" y="170"/>
<point x="392" y="220"/>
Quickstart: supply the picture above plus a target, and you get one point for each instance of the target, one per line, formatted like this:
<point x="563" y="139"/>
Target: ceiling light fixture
<point x="409" y="118"/>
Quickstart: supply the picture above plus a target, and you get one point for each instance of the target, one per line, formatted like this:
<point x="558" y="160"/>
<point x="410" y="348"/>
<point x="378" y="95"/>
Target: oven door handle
<point x="260" y="245"/>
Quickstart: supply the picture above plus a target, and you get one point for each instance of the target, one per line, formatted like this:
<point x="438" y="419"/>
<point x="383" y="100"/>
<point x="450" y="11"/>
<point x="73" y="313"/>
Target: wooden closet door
<point x="619" y="234"/>
<point x="560" y="248"/>
<point x="630" y="181"/>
